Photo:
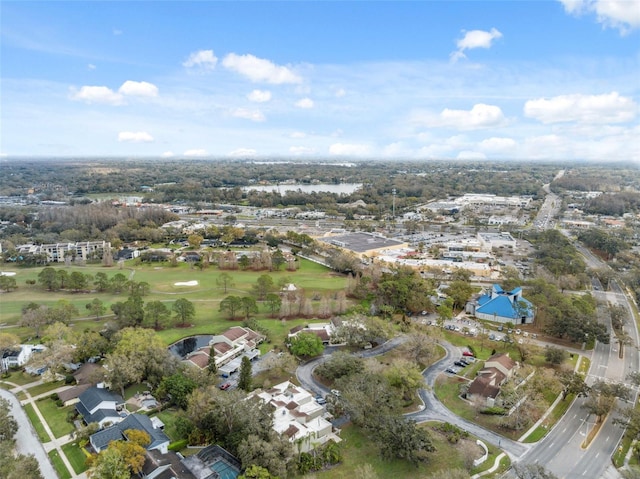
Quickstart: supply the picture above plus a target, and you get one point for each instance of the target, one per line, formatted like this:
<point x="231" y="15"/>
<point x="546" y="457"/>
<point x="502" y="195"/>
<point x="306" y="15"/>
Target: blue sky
<point x="443" y="79"/>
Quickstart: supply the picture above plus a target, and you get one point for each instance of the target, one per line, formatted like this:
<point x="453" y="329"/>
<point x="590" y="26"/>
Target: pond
<point x="188" y="345"/>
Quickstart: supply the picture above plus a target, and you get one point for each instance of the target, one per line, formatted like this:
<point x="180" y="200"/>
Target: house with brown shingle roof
<point x="486" y="386"/>
<point x="227" y="346"/>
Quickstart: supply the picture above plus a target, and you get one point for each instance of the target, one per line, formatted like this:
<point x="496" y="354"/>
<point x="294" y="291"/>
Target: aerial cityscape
<point x="320" y="240"/>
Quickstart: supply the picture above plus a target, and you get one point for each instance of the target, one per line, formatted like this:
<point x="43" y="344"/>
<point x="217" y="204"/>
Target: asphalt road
<point x="27" y="441"/>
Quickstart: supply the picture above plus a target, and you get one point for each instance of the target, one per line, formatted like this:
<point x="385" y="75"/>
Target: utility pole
<point x="393" y="214"/>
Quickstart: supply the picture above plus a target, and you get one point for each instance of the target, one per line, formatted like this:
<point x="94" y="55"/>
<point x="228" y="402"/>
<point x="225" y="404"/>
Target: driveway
<point x="27" y="441"/>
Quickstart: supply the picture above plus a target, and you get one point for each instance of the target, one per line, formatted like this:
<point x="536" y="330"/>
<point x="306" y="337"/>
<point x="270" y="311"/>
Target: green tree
<point x="109" y="464"/>
<point x="7" y="283"/>
<point x="175" y="389"/>
<point x="306" y="345"/>
<point x="264" y="285"/>
<point x="249" y="306"/>
<point x="245" y="379"/>
<point x="8" y="425"/>
<point x="139" y="355"/>
<point x="156" y="314"/>
<point x="274" y="302"/>
<point x="49" y="278"/>
<point x="129" y="313"/>
<point x="78" y="281"/>
<point x="231" y="304"/>
<point x="195" y="240"/>
<point x="225" y="280"/>
<point x="554" y="355"/>
<point x="96" y="308"/>
<point x="101" y="281"/>
<point x="184" y="310"/>
<point x="257" y="472"/>
<point x="459" y="291"/>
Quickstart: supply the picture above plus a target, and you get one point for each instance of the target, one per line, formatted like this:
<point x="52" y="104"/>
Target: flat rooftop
<point x="361" y="242"/>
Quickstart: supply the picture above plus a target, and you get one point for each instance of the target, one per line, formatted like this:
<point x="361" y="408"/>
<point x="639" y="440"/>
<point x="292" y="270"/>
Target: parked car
<point x="225" y="386"/>
<point x="460" y="364"/>
<point x="467" y="353"/>
<point x="335" y="392"/>
<point x="320" y="400"/>
<point x="451" y="371"/>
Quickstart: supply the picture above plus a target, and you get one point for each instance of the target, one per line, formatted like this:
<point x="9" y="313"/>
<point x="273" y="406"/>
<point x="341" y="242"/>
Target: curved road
<point x="27" y="441"/>
<point x="434" y="410"/>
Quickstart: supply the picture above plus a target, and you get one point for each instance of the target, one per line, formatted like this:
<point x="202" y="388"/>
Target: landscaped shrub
<point x="54" y="396"/>
<point x="178" y="445"/>
<point x="69" y="379"/>
<point x="59" y="403"/>
<point x="495" y="411"/>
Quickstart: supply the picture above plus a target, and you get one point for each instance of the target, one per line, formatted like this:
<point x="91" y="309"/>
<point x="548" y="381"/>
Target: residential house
<point x="228" y="348"/>
<point x="140" y="422"/>
<point x="297" y="416"/>
<point x="323" y="330"/>
<point x="486" y="386"/>
<point x="100" y="405"/>
<point x="502" y="306"/>
<point x="19" y="356"/>
<point x="164" y="466"/>
<point x="84" y="377"/>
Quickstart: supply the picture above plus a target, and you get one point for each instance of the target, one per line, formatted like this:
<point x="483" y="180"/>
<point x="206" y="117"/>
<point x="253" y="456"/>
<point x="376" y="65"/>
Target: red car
<point x="225" y="386"/>
<point x="467" y="353"/>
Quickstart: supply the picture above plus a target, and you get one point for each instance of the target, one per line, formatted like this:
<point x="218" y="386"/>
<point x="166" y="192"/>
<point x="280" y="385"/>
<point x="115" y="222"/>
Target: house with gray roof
<point x="159" y="440"/>
<point x="98" y="404"/>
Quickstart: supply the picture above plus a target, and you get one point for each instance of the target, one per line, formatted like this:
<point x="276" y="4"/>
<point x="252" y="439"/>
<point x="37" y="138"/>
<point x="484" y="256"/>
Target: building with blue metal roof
<point x="503" y="306"/>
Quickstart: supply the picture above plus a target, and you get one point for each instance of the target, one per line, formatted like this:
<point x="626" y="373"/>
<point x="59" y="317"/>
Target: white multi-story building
<point x="297" y="416"/>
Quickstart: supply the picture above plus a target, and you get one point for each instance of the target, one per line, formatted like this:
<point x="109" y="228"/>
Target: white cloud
<point x="480" y="116"/>
<point x="167" y="154"/>
<point x="623" y="15"/>
<point x="134" y="137"/>
<point x="259" y="69"/>
<point x="195" y="153"/>
<point x="497" y="145"/>
<point x="298" y="134"/>
<point x="475" y="39"/>
<point x="253" y="115"/>
<point x="345" y="149"/>
<point x="117" y="32"/>
<point x="606" y="108"/>
<point x="471" y="155"/>
<point x="91" y="66"/>
<point x="97" y="94"/>
<point x="204" y="59"/>
<point x="301" y="150"/>
<point x="138" y="88"/>
<point x="340" y="92"/>
<point x="259" y="96"/>
<point x="243" y="152"/>
<point x="304" y="103"/>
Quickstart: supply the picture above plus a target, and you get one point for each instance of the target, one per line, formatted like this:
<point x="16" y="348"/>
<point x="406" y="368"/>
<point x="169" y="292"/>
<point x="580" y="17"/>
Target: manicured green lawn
<point x="56" y="417"/>
<point x="133" y="389"/>
<point x="37" y="425"/>
<point x="61" y="469"/>
<point x="168" y="417"/>
<point x="44" y="387"/>
<point x="358" y="450"/>
<point x="76" y="457"/>
<point x="314" y="279"/>
<point x="20" y="378"/>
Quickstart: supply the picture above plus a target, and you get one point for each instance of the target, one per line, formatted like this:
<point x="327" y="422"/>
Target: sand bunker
<point x="186" y="283"/>
<point x="7" y="273"/>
